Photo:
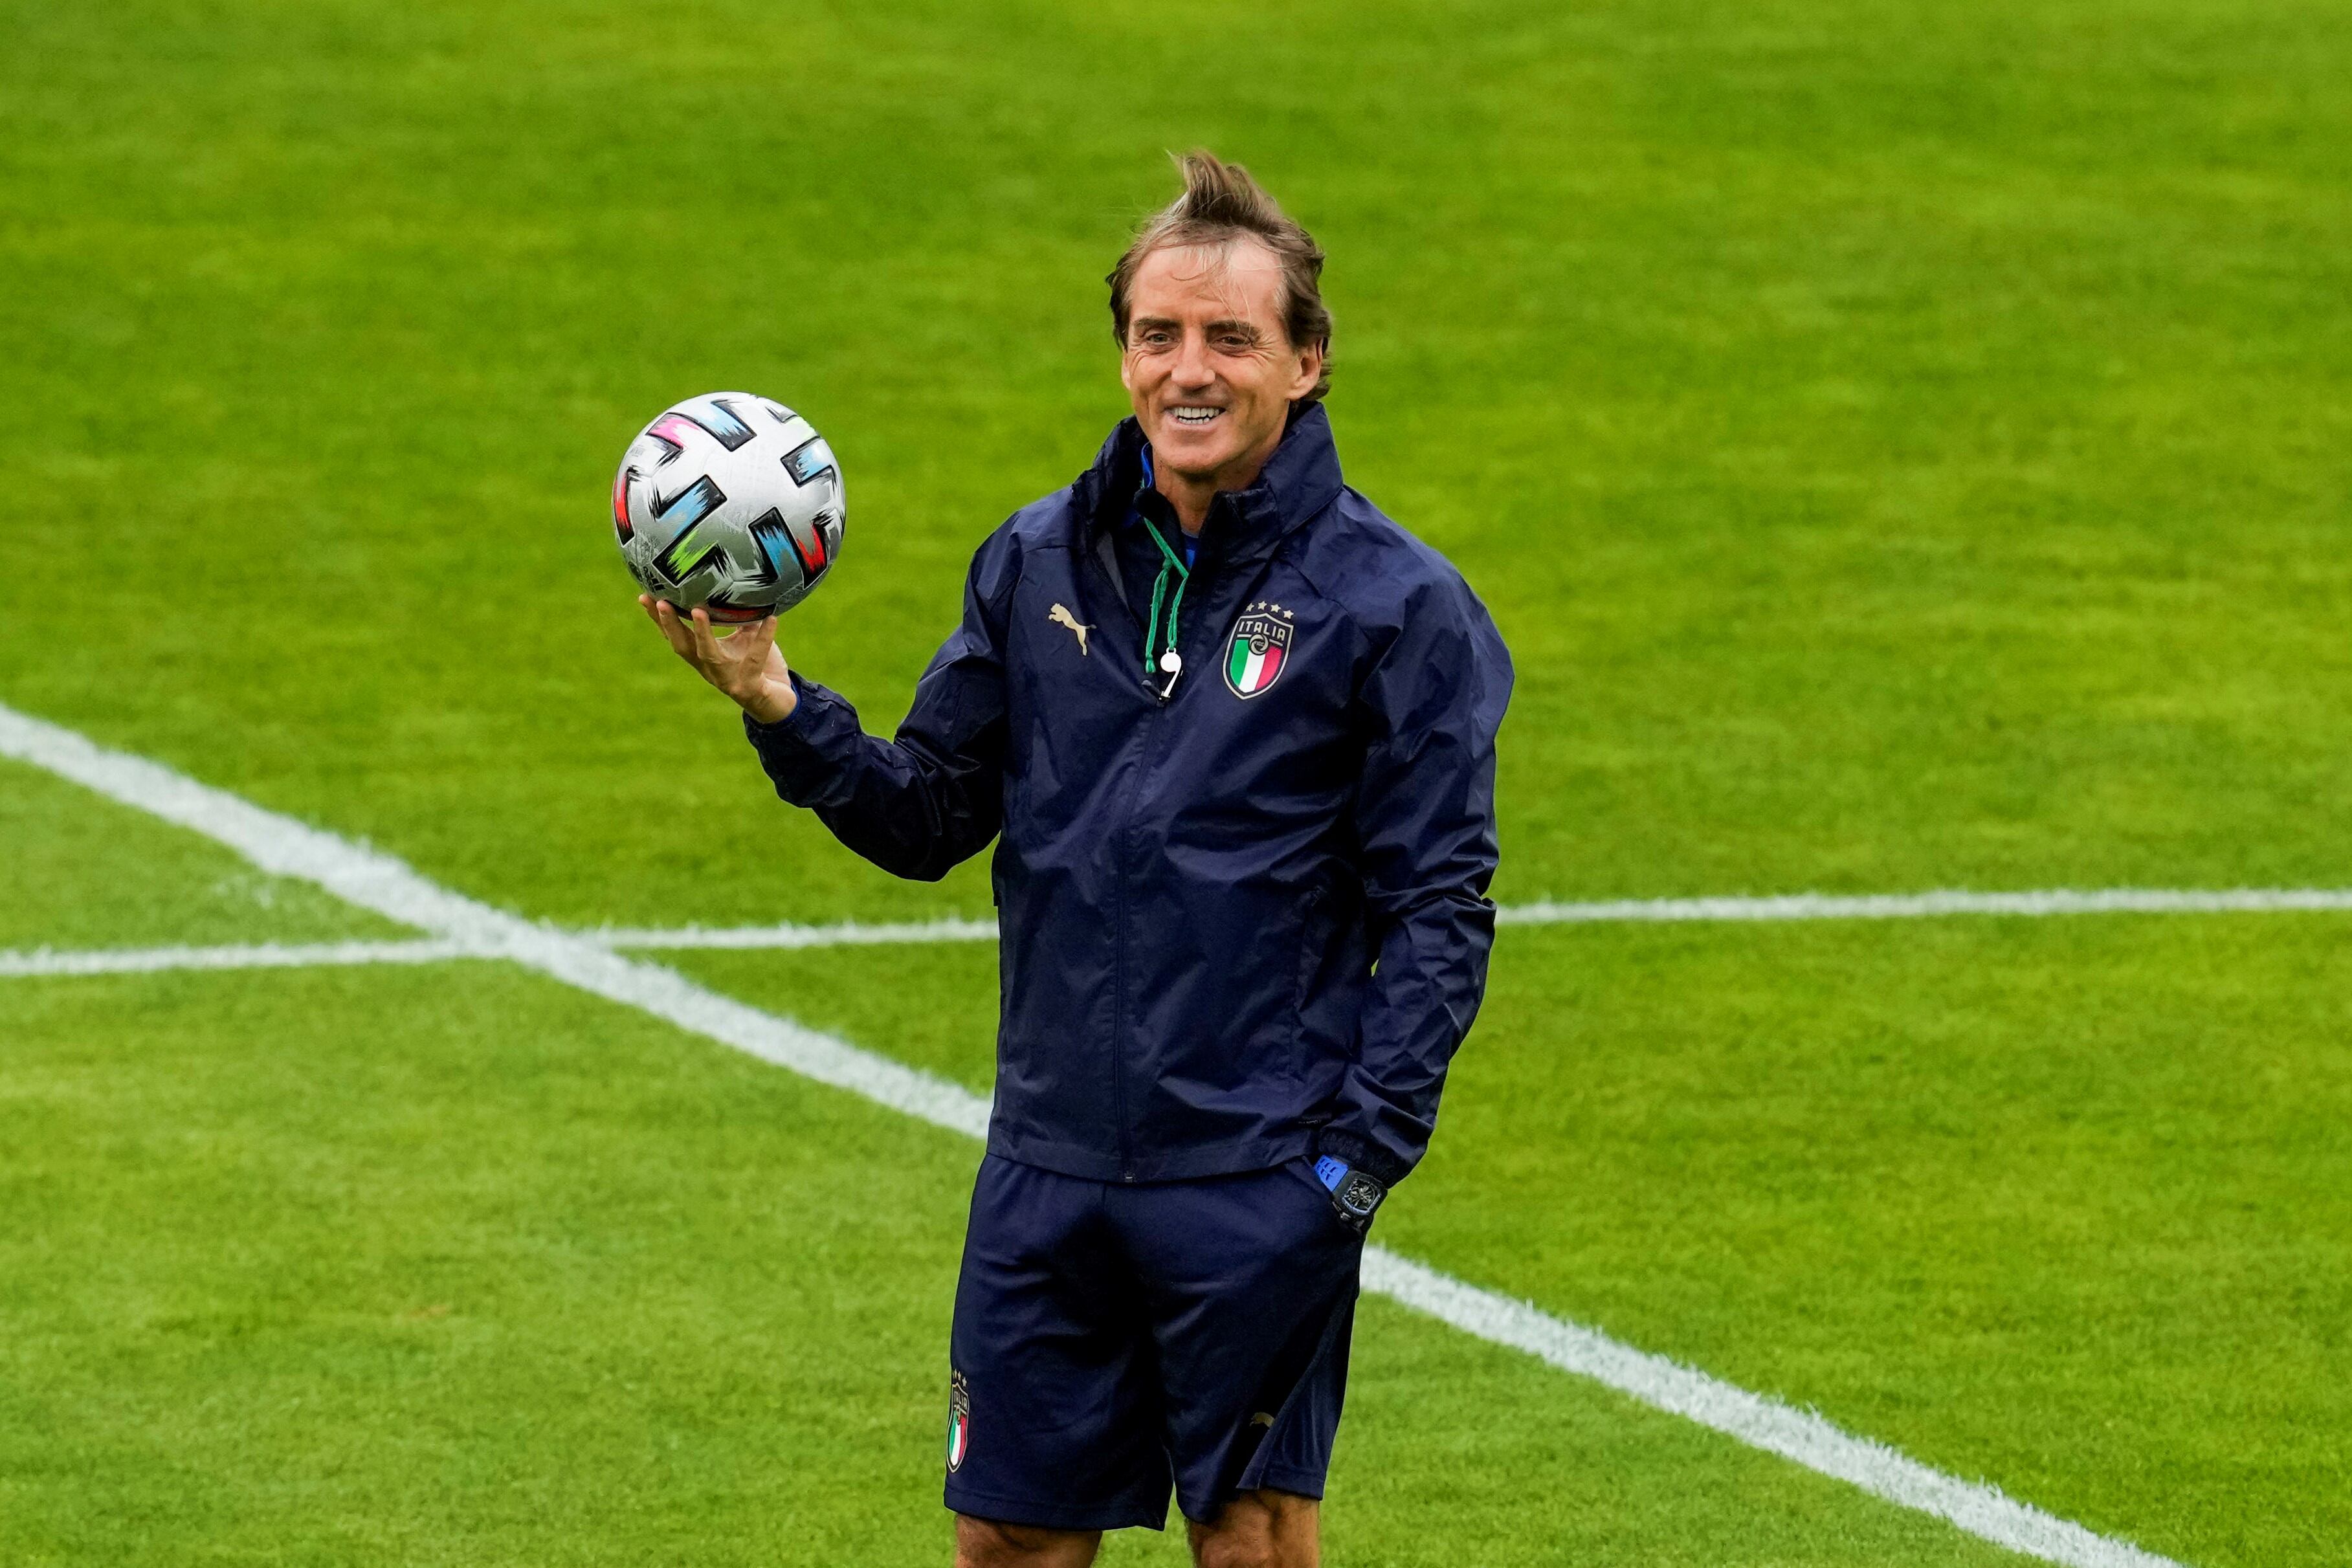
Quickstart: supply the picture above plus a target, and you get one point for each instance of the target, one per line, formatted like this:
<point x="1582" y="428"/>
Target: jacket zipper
<point x="1129" y="856"/>
<point x="1162" y="693"/>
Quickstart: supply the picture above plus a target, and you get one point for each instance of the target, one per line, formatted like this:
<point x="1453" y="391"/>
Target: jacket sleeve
<point x="1424" y="825"/>
<point x="916" y="805"/>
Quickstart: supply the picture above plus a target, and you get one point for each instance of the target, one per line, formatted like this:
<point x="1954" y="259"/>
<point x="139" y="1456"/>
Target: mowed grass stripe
<point x="374" y="881"/>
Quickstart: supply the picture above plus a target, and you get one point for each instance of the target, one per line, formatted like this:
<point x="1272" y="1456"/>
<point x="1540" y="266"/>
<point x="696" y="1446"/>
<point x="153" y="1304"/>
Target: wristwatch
<point x="1354" y="1194"/>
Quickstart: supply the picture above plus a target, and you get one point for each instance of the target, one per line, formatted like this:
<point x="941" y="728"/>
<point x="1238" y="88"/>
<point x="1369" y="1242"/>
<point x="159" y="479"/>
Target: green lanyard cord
<point x="1169" y="563"/>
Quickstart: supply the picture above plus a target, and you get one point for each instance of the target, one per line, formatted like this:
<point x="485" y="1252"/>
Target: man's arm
<point x="915" y="806"/>
<point x="1424" y="819"/>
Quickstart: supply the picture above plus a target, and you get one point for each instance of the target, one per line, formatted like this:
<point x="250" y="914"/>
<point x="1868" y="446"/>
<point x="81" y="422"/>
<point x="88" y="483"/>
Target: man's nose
<point x="1193" y="368"/>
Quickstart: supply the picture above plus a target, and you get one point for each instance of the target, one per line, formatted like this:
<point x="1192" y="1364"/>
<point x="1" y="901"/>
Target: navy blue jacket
<point x="1235" y="927"/>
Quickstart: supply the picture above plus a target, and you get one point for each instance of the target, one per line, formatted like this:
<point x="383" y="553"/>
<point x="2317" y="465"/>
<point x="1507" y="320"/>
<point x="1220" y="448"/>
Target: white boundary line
<point x="953" y="928"/>
<point x="379" y="883"/>
<point x="842" y="933"/>
<point x="255" y="956"/>
<point x="1795" y="906"/>
<point x="1943" y="902"/>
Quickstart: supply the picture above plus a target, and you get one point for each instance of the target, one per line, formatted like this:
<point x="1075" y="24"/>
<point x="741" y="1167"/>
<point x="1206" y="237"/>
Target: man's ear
<point x="1310" y="371"/>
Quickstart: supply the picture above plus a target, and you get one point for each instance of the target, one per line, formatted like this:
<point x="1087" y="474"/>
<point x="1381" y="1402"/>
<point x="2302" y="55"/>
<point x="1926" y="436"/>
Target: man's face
<point x="1208" y="364"/>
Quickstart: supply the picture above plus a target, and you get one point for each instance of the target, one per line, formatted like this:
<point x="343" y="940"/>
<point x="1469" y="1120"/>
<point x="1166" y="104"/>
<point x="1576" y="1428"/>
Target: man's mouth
<point x="1193" y="414"/>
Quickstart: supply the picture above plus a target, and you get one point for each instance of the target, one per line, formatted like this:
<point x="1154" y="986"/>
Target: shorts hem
<point x="1298" y="1483"/>
<point x="1004" y="1510"/>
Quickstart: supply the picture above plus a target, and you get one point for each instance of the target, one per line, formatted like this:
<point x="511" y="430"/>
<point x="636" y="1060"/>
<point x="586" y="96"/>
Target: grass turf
<point x="1903" y="446"/>
<point x="359" y="1267"/>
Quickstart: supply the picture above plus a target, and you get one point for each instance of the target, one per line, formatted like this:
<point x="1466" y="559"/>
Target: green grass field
<point x="1905" y="446"/>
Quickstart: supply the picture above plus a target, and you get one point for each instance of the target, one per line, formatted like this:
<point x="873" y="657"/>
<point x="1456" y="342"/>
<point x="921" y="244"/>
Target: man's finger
<point x="761" y="653"/>
<point x="706" y="644"/>
<point x="681" y="639"/>
<point x="758" y="638"/>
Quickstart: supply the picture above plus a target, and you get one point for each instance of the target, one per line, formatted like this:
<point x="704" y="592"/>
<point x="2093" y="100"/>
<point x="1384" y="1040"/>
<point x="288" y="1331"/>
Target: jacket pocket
<point x="1312" y="943"/>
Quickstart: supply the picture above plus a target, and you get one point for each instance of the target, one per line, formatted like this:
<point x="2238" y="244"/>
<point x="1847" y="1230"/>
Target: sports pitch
<point x="1906" y="448"/>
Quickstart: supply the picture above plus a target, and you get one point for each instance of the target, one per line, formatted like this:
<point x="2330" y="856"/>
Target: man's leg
<point x="1261" y="1529"/>
<point x="985" y="1543"/>
<point x="1252" y="1281"/>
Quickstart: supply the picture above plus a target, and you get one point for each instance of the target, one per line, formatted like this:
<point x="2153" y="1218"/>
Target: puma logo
<point x="1060" y="616"/>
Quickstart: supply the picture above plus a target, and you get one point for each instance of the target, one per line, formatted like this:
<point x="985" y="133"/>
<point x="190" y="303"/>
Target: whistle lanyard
<point x="1160" y="654"/>
<point x="1167" y="661"/>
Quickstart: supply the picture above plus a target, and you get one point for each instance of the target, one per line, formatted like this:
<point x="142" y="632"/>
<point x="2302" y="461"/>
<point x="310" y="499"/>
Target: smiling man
<point x="1236" y="731"/>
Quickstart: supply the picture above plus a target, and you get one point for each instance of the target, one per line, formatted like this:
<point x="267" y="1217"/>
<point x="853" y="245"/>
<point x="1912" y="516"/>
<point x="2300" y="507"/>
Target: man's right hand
<point x="746" y="665"/>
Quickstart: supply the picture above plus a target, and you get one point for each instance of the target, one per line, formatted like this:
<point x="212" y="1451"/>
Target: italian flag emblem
<point x="959" y="1420"/>
<point x="1259" y="648"/>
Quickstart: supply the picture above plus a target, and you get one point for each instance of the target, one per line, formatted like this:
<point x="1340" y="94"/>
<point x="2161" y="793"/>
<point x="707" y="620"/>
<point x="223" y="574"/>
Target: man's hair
<point x="1222" y="203"/>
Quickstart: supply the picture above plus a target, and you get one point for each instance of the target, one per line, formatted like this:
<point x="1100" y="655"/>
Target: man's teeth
<point x="1196" y="415"/>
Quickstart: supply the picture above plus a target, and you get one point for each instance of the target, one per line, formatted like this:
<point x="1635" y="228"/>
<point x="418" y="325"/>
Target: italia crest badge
<point x="959" y="1420"/>
<point x="1259" y="649"/>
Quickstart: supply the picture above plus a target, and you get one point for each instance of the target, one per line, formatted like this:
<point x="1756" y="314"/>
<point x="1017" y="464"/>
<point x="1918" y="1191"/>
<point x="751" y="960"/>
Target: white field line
<point x="842" y="933"/>
<point x="1945" y="902"/>
<point x="40" y="961"/>
<point x="953" y="928"/>
<point x="257" y="956"/>
<point x="1547" y="912"/>
<point x="374" y="880"/>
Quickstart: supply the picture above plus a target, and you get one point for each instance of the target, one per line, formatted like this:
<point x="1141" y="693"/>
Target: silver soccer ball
<point x="730" y="502"/>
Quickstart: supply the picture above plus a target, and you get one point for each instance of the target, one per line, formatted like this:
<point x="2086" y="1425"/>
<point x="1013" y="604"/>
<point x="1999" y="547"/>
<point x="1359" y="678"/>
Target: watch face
<point x="1362" y="1194"/>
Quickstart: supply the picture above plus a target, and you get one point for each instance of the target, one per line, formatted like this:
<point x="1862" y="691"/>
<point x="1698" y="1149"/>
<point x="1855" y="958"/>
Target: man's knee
<point x="990" y="1543"/>
<point x="1261" y="1530"/>
<point x="1228" y="1549"/>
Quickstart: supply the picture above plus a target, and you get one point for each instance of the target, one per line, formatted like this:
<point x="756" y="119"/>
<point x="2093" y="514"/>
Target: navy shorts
<point x="1113" y="1340"/>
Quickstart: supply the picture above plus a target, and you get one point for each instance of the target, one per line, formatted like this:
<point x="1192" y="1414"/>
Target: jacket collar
<point x="1298" y="481"/>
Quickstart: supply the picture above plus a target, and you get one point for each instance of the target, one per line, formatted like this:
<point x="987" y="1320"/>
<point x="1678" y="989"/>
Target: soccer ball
<point x="730" y="502"/>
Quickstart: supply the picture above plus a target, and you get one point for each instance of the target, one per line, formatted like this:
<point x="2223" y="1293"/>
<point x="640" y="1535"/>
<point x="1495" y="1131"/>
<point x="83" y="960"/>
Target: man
<point x="1236" y="731"/>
